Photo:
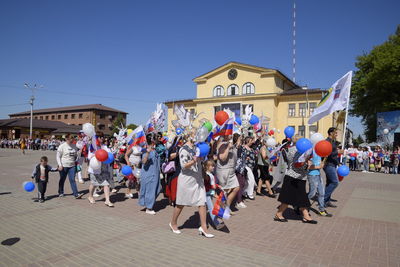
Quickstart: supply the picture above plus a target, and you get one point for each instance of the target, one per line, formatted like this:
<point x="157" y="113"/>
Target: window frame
<point x="252" y="89"/>
<point x="218" y="91"/>
<point x="292" y="114"/>
<point x="229" y="90"/>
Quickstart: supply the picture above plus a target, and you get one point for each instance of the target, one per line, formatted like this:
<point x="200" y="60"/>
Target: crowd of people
<point x="31" y="144"/>
<point x="377" y="159"/>
<point x="238" y="168"/>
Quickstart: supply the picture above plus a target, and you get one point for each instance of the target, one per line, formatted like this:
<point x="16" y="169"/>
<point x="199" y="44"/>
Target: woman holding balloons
<point x="190" y="188"/>
<point x="100" y="172"/>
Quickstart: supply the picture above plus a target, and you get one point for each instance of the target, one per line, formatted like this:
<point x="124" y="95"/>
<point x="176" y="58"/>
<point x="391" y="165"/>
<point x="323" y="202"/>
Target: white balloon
<point x="274" y="129"/>
<point x="136" y="173"/>
<point x="386" y="131"/>
<point x="279" y="131"/>
<point x="94" y="164"/>
<point x="88" y="129"/>
<point x="316" y="137"/>
<point x="271" y="142"/>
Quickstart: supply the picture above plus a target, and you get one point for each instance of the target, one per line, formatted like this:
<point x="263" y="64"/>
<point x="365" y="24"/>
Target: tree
<point x="376" y="83"/>
<point x="118" y="123"/>
<point x="131" y="126"/>
<point x="359" y="140"/>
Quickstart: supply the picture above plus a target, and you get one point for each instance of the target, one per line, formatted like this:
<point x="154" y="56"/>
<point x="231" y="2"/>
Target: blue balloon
<point x="343" y="170"/>
<point x="289" y="132"/>
<point x="126" y="170"/>
<point x="273" y="158"/>
<point x="303" y="144"/>
<point x="179" y="131"/>
<point x="110" y="158"/>
<point x="203" y="149"/>
<point x="238" y="121"/>
<point x="352" y="158"/>
<point x="29" y="186"/>
<point x="254" y="119"/>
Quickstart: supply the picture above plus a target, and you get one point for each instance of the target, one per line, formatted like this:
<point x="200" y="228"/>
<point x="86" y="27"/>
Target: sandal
<point x="109" y="204"/>
<point x="277" y="219"/>
<point x="91" y="200"/>
<point x="309" y="221"/>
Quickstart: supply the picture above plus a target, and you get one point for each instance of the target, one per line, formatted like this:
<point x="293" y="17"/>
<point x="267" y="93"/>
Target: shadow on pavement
<point x="10" y="241"/>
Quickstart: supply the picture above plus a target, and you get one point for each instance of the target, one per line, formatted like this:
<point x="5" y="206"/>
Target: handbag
<point x="168" y="167"/>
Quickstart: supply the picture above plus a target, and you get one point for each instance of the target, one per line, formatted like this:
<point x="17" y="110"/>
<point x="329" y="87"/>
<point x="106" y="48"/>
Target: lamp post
<point x="31" y="103"/>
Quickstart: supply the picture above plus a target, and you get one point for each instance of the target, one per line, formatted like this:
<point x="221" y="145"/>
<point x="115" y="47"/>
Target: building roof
<point x="300" y="91"/>
<point x="69" y="108"/>
<point x="233" y="64"/>
<point x="56" y="126"/>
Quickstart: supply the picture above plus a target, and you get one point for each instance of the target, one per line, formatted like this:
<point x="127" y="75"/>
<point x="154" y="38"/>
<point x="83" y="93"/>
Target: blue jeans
<point x="317" y="185"/>
<point x="210" y="207"/>
<point x="70" y="171"/>
<point x="332" y="181"/>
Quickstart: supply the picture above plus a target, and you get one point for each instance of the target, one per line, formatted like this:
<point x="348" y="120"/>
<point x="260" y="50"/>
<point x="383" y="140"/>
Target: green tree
<point x="376" y="83"/>
<point x="131" y="126"/>
<point x="118" y="123"/>
<point x="359" y="140"/>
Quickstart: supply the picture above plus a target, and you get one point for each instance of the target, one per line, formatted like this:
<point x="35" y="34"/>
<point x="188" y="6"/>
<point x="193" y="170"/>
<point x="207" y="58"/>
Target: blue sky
<point x="132" y="54"/>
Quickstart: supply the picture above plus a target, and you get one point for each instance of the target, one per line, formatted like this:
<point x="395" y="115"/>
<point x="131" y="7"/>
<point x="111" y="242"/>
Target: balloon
<point x="386" y="131"/>
<point x="126" y="170"/>
<point x="254" y="119"/>
<point x="208" y="126"/>
<point x="110" y="158"/>
<point x="238" y="121"/>
<point x="272" y="132"/>
<point x="271" y="142"/>
<point x="88" y="129"/>
<point x="101" y="155"/>
<point x="340" y="178"/>
<point x="129" y="131"/>
<point x="272" y="158"/>
<point x="136" y="173"/>
<point x="179" y="131"/>
<point x="371" y="166"/>
<point x="279" y="131"/>
<point x="352" y="158"/>
<point x="323" y="148"/>
<point x="202" y="134"/>
<point x="221" y="117"/>
<point x="289" y="131"/>
<point x="274" y="129"/>
<point x="202" y="150"/>
<point x="343" y="170"/>
<point x="94" y="164"/>
<point x="303" y="144"/>
<point x="316" y="137"/>
<point x="28" y="186"/>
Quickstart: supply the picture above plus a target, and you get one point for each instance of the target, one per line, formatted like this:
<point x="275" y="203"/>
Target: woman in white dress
<point x="190" y="189"/>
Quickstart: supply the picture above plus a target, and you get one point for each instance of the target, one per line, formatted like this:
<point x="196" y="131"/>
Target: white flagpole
<point x="347" y="113"/>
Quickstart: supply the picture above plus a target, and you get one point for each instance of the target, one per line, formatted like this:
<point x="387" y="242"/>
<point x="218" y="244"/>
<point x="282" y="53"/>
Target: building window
<point x="302" y="130"/>
<point x="312" y="129"/>
<point x="218" y="91"/>
<point x="47" y="117"/>
<point x="234" y="107"/>
<point x="216" y="109"/>
<point x="101" y="126"/>
<point x="53" y="117"/>
<point x="313" y="105"/>
<point x="72" y="116"/>
<point x="80" y="115"/>
<point x="41" y="117"/>
<point x="66" y="116"/>
<point x="302" y="109"/>
<point x="80" y="124"/>
<point x="35" y="117"/>
<point x="102" y="116"/>
<point x="292" y="110"/>
<point x="59" y="117"/>
<point x="233" y="89"/>
<point x="248" y="88"/>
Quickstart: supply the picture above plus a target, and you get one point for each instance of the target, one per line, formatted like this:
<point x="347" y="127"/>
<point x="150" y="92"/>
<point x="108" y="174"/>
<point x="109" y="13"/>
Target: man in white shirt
<point x="67" y="155"/>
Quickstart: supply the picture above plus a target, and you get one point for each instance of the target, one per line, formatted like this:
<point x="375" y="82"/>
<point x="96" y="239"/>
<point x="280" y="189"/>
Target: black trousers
<point x="42" y="185"/>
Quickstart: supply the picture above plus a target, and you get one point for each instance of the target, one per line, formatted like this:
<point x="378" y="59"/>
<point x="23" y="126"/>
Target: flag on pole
<point x="336" y="99"/>
<point x="302" y="159"/>
<point x="226" y="129"/>
<point x="140" y="137"/>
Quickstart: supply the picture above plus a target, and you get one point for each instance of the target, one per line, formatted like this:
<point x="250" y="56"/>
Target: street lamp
<point x="31" y="103"/>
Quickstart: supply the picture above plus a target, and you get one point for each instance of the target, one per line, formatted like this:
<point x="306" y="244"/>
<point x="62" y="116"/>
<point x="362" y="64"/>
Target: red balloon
<point x="272" y="132"/>
<point x="323" y="148"/>
<point x="221" y="117"/>
<point x="101" y="155"/>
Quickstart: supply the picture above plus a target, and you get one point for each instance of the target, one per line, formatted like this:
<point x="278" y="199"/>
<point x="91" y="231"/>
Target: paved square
<point x="364" y="231"/>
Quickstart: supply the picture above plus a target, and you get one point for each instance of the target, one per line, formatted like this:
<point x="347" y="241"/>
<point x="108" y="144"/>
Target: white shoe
<point x="128" y="195"/>
<point x="174" y="231"/>
<point x="95" y="195"/>
<point x="241" y="205"/>
<point x="151" y="212"/>
<point x="201" y="232"/>
<point x="81" y="181"/>
<point x="114" y="190"/>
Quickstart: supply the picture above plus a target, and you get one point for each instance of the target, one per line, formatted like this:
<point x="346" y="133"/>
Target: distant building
<point x="19" y="128"/>
<point x="269" y="92"/>
<point x="102" y="117"/>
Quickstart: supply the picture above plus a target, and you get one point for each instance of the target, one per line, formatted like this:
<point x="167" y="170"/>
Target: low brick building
<point x="102" y="117"/>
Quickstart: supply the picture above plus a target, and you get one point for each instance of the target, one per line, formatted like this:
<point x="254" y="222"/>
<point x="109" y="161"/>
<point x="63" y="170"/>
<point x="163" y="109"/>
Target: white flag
<point x="336" y="98"/>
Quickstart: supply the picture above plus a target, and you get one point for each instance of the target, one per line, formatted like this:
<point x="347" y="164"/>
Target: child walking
<point x="210" y="186"/>
<point x="41" y="176"/>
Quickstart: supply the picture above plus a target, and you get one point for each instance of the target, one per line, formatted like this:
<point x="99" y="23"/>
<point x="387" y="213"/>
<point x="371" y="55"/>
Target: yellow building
<point x="271" y="94"/>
